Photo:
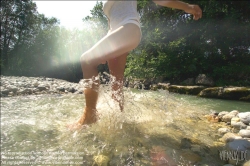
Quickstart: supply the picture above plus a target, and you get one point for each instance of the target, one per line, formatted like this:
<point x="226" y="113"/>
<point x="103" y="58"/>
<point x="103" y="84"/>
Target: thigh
<point x="117" y="66"/>
<point x="117" y="43"/>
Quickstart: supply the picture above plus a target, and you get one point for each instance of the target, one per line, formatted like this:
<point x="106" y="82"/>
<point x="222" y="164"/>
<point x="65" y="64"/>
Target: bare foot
<point x="88" y="117"/>
<point x="160" y="158"/>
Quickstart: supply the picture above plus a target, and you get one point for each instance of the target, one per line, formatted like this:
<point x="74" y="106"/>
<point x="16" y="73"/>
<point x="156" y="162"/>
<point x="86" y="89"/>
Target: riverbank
<point x="201" y="90"/>
<point x="16" y="86"/>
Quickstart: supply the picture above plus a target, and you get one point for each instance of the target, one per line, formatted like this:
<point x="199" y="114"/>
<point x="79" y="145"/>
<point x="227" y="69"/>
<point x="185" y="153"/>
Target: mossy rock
<point x="235" y="93"/>
<point x="189" y="90"/>
<point x="232" y="93"/>
<point x="210" y="92"/>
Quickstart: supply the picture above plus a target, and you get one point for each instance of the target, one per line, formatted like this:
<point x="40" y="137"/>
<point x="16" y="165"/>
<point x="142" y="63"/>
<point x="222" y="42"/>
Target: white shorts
<point x="123" y="12"/>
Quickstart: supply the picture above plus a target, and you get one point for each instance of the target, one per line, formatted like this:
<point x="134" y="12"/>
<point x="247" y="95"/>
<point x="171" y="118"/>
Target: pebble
<point x="244" y="117"/>
<point x="239" y="125"/>
<point x="230" y="137"/>
<point x="223" y="130"/>
<point x="14" y="86"/>
<point x="229" y="116"/>
<point x="244" y="133"/>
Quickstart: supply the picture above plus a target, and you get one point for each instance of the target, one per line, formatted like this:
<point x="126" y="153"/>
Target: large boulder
<point x="235" y="93"/>
<point x="231" y="93"/>
<point x="191" y="90"/>
<point x="244" y="117"/>
<point x="202" y="79"/>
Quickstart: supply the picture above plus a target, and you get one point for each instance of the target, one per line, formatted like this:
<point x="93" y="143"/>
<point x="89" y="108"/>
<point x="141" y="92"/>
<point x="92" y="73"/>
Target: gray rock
<point x="244" y="117"/>
<point x="223" y="130"/>
<point x="12" y="88"/>
<point x="238" y="145"/>
<point x="228" y="137"/>
<point x="26" y="91"/>
<point x="244" y="133"/>
<point x="5" y="91"/>
<point x="61" y="89"/>
<point x="239" y="125"/>
<point x="41" y="87"/>
<point x="202" y="79"/>
<point x="221" y="114"/>
<point x="229" y="116"/>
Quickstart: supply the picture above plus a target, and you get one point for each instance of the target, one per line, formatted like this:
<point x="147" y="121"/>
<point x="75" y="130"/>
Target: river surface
<point x="154" y="127"/>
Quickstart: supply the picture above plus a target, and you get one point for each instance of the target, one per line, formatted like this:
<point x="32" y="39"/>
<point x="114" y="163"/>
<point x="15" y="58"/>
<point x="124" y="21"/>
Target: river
<point x="154" y="126"/>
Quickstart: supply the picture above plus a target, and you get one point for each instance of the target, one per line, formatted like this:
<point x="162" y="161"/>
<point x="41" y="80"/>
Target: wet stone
<point x="244" y="117"/>
<point x="239" y="125"/>
<point x="41" y="87"/>
<point x="223" y="130"/>
<point x="244" y="133"/>
<point x="230" y="137"/>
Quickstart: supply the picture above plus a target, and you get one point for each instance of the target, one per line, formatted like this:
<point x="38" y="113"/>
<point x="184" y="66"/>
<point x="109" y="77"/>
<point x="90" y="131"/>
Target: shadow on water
<point x="154" y="127"/>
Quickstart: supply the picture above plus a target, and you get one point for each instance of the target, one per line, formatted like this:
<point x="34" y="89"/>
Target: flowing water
<point x="154" y="127"/>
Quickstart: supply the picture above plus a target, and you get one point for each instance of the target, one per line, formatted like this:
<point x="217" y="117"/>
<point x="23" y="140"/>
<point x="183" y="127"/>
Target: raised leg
<point x="116" y="69"/>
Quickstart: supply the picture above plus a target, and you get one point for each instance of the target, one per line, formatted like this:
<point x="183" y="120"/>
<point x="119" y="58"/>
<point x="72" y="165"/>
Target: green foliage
<point x="177" y="47"/>
<point x="173" y="45"/>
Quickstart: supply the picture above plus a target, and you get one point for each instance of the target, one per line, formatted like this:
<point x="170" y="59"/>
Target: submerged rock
<point x="223" y="130"/>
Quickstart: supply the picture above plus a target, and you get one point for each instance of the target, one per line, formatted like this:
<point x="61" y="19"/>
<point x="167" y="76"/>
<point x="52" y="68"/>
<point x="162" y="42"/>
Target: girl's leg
<point x="116" y="69"/>
<point x="117" y="43"/>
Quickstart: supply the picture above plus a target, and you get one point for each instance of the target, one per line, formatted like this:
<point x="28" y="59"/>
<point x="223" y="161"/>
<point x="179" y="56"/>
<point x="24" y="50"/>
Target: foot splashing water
<point x="155" y="128"/>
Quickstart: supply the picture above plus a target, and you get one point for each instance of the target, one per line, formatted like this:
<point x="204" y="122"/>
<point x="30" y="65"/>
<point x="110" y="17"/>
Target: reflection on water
<point x="154" y="126"/>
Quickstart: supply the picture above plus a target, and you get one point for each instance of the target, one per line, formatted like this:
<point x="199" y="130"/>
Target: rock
<point x="223" y="130"/>
<point x="154" y="87"/>
<point x="244" y="133"/>
<point x="211" y="92"/>
<point x="229" y="116"/>
<point x="239" y="125"/>
<point x="191" y="90"/>
<point x="101" y="160"/>
<point x="241" y="146"/>
<point x="163" y="86"/>
<point x="192" y="158"/>
<point x="5" y="91"/>
<point x="12" y="88"/>
<point x="212" y="118"/>
<point x="248" y="128"/>
<point x="247" y="163"/>
<point x="244" y="117"/>
<point x="35" y="84"/>
<point x="221" y="114"/>
<point x="41" y="87"/>
<point x="202" y="79"/>
<point x="230" y="137"/>
<point x="61" y="89"/>
<point x="235" y="93"/>
<point x="71" y="89"/>
<point x="26" y="91"/>
<point x="232" y="93"/>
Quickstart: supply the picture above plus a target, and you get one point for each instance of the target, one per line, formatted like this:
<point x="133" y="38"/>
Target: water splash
<point x="152" y="124"/>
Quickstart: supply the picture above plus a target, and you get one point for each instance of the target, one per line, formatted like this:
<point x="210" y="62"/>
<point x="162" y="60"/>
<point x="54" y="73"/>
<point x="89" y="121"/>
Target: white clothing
<point x="121" y="13"/>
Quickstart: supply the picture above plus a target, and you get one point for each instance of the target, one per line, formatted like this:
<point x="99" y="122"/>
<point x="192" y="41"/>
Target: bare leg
<point x="117" y="43"/>
<point x="116" y="69"/>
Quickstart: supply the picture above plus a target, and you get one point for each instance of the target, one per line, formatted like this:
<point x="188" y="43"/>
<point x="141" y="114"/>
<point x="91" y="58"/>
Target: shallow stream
<point x="154" y="127"/>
